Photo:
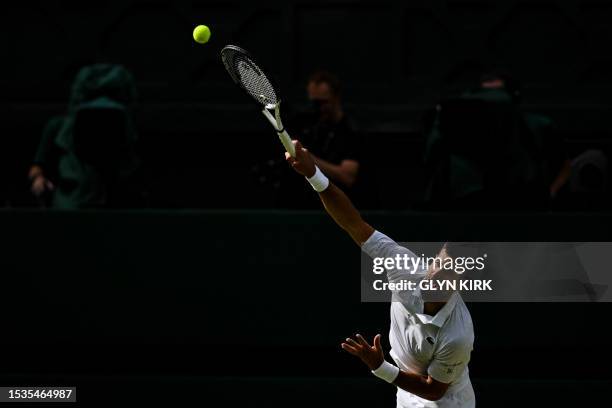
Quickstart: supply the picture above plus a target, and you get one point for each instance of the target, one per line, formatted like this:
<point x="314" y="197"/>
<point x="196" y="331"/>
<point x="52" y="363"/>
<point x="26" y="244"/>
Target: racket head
<point x="247" y="74"/>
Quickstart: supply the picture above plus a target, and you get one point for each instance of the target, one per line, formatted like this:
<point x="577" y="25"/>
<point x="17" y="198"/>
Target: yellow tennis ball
<point x="201" y="34"/>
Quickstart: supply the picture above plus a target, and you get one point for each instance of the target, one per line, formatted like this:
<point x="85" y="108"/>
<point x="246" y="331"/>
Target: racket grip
<point x="286" y="141"/>
<point x="282" y="134"/>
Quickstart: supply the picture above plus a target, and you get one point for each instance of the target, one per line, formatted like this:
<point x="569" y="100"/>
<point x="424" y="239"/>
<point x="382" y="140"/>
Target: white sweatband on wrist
<point x="387" y="371"/>
<point x="318" y="181"/>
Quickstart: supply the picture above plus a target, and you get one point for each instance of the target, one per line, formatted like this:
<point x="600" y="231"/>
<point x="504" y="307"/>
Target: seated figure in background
<point x="485" y="153"/>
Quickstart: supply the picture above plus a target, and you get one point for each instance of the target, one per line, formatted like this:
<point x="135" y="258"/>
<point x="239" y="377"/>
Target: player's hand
<point x="372" y="356"/>
<point x="303" y="162"/>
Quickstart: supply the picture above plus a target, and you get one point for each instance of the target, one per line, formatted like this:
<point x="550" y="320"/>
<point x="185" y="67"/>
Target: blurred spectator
<point x="485" y="153"/>
<point x="589" y="172"/>
<point x="87" y="158"/>
<point x="325" y="130"/>
<point x="587" y="187"/>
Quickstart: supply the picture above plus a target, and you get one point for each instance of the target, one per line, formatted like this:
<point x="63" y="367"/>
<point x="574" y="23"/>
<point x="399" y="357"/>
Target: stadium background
<point x="142" y="305"/>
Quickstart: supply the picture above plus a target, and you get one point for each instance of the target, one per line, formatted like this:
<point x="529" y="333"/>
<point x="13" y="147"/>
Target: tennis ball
<point x="201" y="34"/>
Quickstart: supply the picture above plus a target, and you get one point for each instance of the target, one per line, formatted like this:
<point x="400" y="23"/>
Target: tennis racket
<point x="248" y="75"/>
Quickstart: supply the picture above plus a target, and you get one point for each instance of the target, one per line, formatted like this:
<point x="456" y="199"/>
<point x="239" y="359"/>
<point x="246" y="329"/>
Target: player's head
<point x="324" y="92"/>
<point x="453" y="261"/>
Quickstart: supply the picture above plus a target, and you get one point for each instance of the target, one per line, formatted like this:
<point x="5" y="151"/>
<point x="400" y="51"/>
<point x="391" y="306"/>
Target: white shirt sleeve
<point x="381" y="246"/>
<point x="449" y="363"/>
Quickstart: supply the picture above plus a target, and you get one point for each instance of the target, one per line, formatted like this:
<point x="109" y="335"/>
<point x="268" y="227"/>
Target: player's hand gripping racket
<point x="249" y="76"/>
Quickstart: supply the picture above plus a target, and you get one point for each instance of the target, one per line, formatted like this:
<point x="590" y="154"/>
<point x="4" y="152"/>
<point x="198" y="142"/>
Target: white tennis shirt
<point x="437" y="345"/>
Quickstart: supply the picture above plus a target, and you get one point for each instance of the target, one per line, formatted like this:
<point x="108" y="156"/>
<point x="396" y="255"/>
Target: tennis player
<point x="431" y="338"/>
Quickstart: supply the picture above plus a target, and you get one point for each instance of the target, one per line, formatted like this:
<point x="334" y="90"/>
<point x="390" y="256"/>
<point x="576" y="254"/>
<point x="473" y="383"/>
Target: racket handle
<point x="283" y="135"/>
<point x="286" y="141"/>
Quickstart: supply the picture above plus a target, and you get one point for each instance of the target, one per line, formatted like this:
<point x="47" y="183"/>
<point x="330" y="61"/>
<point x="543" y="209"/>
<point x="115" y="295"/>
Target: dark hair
<point x="462" y="249"/>
<point x="326" y="77"/>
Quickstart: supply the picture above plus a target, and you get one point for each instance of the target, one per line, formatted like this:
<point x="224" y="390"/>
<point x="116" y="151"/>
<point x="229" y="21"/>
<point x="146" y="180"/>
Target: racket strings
<point x="249" y="76"/>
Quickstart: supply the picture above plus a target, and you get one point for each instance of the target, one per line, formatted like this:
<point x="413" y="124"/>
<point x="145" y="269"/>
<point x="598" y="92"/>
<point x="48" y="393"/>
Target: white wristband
<point x="318" y="181"/>
<point x="387" y="371"/>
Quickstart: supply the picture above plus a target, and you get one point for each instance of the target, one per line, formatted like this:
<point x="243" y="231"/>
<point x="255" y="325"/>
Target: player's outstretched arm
<point x="337" y="204"/>
<point x="342" y="210"/>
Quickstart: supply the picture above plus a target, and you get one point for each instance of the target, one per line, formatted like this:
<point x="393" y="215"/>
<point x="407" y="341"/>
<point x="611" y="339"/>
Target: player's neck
<point x="431" y="308"/>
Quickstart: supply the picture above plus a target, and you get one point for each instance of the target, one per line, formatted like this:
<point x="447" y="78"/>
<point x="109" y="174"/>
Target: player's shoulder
<point x="459" y="328"/>
<point x="378" y="237"/>
<point x="378" y="242"/>
<point x="456" y="343"/>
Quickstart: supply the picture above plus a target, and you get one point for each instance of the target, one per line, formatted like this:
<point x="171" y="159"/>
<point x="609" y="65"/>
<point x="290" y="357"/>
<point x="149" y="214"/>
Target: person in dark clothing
<point x="485" y="153"/>
<point x="326" y="132"/>
<point x="547" y="149"/>
<point x="87" y="157"/>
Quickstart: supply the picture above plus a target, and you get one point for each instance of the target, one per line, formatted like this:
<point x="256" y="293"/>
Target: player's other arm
<point x="336" y="203"/>
<point x="373" y="356"/>
<point x="422" y="385"/>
